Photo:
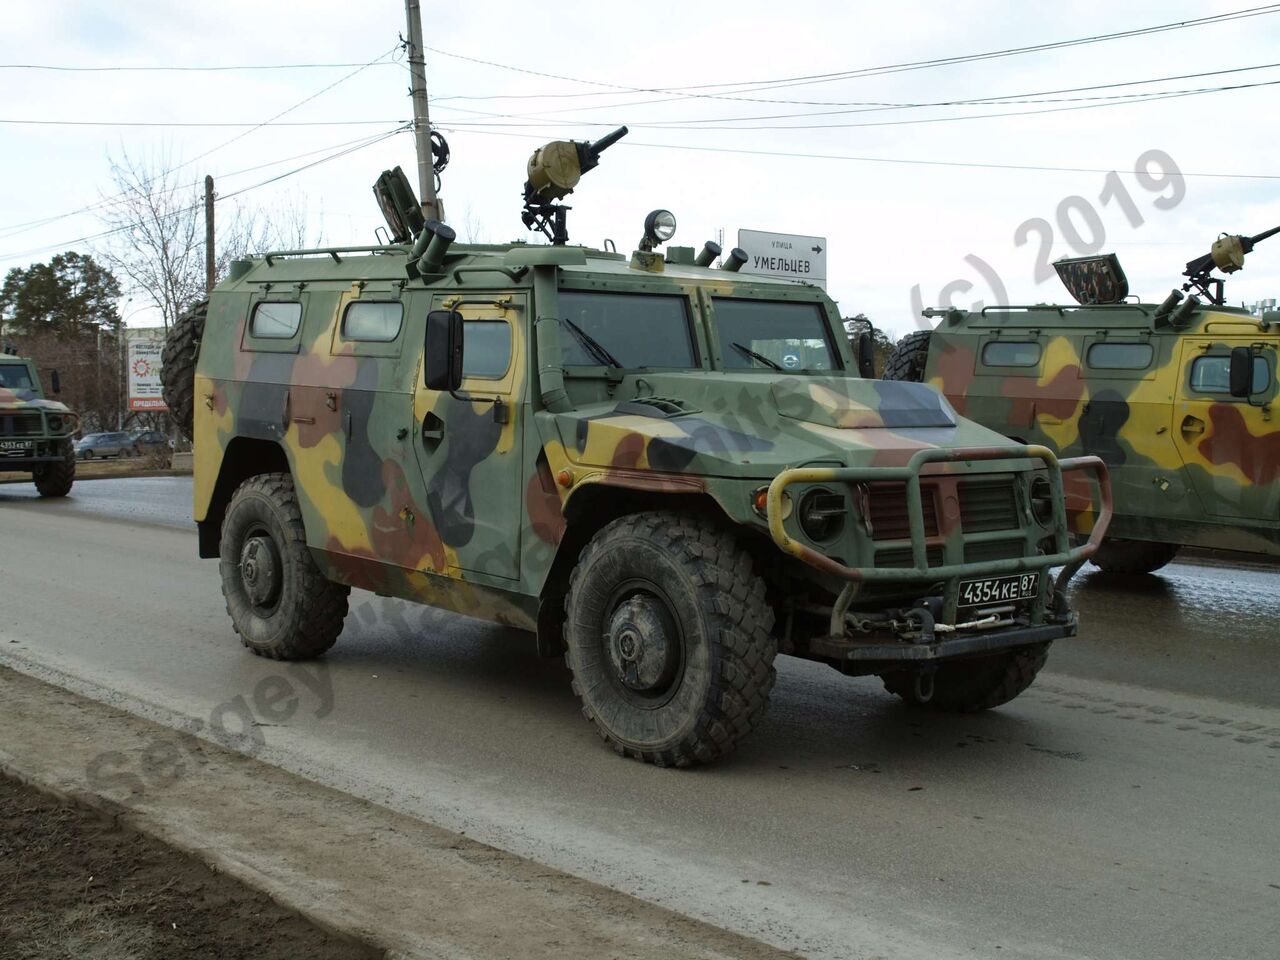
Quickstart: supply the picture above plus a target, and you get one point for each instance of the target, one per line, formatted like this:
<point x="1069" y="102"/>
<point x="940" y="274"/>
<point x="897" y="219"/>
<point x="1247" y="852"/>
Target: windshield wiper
<point x="747" y="351"/>
<point x="593" y="346"/>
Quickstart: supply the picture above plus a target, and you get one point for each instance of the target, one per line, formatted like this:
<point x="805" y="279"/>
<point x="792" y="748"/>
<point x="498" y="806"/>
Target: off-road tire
<point x="967" y="686"/>
<point x="1133" y="556"/>
<point x="909" y="358"/>
<point x="724" y="628"/>
<point x="178" y="365"/>
<point x="307" y="617"/>
<point x="55" y="479"/>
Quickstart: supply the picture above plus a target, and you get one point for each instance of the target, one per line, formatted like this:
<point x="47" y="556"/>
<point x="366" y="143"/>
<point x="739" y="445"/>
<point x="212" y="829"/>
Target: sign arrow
<point x="816" y="249"/>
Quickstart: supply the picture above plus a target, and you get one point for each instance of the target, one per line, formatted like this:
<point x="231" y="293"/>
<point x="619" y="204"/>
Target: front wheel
<point x="55" y="479"/>
<point x="669" y="639"/>
<point x="1133" y="556"/>
<point x="280" y="603"/>
<point x="967" y="686"/>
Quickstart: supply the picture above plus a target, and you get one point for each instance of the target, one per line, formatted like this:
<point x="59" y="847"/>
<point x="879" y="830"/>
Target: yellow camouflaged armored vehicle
<point x="666" y="470"/>
<point x="1177" y="397"/>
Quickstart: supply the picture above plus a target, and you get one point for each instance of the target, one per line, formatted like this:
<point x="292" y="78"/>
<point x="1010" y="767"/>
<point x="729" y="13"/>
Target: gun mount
<point x="553" y="171"/>
<point x="1227" y="254"/>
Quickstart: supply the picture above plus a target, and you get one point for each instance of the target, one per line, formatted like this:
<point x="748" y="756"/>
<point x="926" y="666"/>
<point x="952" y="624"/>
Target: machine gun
<point x="554" y="170"/>
<point x="1227" y="254"/>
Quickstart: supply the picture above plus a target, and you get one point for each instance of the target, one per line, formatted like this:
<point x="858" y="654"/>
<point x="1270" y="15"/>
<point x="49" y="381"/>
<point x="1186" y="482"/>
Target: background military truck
<point x="1176" y="397"/>
<point x="667" y="471"/>
<point x="35" y="433"/>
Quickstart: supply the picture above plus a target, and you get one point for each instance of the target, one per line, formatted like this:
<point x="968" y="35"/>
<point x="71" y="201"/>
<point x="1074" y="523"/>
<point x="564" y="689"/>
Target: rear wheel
<point x="1133" y="556"/>
<point x="178" y="365"/>
<point x="966" y="686"/>
<point x="280" y="603"/>
<point x="55" y="479"/>
<point x="669" y="639"/>
<point x="909" y="358"/>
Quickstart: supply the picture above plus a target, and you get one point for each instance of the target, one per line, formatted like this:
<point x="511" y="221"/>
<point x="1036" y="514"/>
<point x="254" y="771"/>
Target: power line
<point x="251" y="124"/>
<point x="60" y="68"/>
<point x="889" y="160"/>
<point x="751" y="86"/>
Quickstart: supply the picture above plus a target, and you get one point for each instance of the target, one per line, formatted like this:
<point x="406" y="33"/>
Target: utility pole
<point x="432" y="208"/>
<point x="210" y="269"/>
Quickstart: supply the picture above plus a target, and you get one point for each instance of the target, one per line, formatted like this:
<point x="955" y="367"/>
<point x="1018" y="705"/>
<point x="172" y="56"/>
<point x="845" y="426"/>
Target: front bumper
<point x="42" y="451"/>
<point x="1048" y="611"/>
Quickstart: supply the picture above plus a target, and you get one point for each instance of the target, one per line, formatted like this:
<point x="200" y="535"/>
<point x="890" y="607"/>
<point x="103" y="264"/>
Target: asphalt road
<point x="1124" y="807"/>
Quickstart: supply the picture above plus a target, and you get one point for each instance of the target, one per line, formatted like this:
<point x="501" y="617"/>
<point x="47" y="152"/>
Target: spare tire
<point x="909" y="358"/>
<point x="178" y="370"/>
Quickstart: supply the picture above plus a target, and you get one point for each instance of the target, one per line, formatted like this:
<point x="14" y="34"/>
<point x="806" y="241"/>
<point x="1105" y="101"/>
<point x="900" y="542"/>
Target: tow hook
<point x="925" y="618"/>
<point x="924" y="685"/>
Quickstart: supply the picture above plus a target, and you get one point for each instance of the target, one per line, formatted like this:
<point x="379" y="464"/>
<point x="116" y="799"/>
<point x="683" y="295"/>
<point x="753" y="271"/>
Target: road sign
<point x="788" y="255"/>
<point x="143" y="360"/>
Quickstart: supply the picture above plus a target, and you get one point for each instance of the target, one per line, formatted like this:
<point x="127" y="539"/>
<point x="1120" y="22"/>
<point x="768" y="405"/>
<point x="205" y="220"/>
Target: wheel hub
<point x="643" y="644"/>
<point x="260" y="570"/>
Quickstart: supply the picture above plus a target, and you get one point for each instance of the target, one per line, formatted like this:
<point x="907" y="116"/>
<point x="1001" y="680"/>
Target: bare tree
<point x="157" y="231"/>
<point x="157" y="237"/>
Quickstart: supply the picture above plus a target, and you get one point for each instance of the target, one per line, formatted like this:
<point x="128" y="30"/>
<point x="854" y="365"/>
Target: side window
<point x="1009" y="353"/>
<point x="1120" y="356"/>
<point x="1213" y="374"/>
<point x="486" y="348"/>
<point x="275" y="319"/>
<point x="372" y="321"/>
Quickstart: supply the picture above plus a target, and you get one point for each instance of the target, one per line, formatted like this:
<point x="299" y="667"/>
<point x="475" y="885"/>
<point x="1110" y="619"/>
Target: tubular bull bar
<point x="1070" y="559"/>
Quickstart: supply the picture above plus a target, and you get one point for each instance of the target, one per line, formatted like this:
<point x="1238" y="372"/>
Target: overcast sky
<point x="892" y="225"/>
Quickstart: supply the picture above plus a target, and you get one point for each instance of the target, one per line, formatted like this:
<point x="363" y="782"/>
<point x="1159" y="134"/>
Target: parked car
<point x="152" y="443"/>
<point x="118" y="444"/>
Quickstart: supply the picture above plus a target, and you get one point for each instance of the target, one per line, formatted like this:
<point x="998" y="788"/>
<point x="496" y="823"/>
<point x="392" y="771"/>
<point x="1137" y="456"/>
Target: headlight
<point x="1042" y="500"/>
<point x="55" y="424"/>
<point x="822" y="514"/>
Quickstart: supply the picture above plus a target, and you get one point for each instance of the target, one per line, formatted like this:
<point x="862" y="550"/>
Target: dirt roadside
<point x="74" y="884"/>
<point x="346" y="865"/>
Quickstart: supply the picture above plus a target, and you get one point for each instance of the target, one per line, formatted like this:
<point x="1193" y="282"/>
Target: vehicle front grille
<point x="988" y="505"/>
<point x="900" y="557"/>
<point x="887" y="511"/>
<point x="994" y="550"/>
<point x="21" y="425"/>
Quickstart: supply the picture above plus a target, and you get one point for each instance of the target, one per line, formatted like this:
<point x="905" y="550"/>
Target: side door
<point x="1230" y="445"/>
<point x="468" y="448"/>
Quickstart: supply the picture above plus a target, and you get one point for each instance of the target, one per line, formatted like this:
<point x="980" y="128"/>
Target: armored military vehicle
<point x="35" y="432"/>
<point x="1177" y="397"/>
<point x="665" y="470"/>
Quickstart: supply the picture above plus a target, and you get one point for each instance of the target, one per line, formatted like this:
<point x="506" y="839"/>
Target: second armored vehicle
<point x="35" y="432"/>
<point x="668" y="471"/>
<point x="1177" y="397"/>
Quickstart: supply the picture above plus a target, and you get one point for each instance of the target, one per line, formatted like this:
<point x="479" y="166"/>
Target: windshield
<point x="630" y="330"/>
<point x="763" y="334"/>
<point x="15" y="376"/>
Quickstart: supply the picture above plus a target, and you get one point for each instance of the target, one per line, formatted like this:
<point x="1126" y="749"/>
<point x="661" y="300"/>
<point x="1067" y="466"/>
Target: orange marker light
<point x="761" y="500"/>
<point x="564" y="478"/>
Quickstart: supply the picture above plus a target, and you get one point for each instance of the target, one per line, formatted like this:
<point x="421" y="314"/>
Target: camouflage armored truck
<point x="666" y="471"/>
<point x="35" y="433"/>
<point x="1176" y="397"/>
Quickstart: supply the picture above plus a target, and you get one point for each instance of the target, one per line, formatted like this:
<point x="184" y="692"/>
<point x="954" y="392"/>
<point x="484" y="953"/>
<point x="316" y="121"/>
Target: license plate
<point x="991" y="590"/>
<point x="16" y="448"/>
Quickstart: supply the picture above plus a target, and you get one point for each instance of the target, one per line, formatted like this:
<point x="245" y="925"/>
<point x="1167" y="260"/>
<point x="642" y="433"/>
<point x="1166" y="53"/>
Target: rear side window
<point x="372" y="321"/>
<point x="1120" y="356"/>
<point x="1009" y="353"/>
<point x="486" y="349"/>
<point x="275" y="319"/>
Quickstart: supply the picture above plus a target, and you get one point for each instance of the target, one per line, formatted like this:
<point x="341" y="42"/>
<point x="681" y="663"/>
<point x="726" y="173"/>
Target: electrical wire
<point x="60" y="68"/>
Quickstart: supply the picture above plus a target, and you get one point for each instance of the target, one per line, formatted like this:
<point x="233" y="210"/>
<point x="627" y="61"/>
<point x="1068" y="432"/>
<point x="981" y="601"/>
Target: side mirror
<point x="1241" y="372"/>
<point x="866" y="356"/>
<point x="55" y="382"/>
<point x="442" y="351"/>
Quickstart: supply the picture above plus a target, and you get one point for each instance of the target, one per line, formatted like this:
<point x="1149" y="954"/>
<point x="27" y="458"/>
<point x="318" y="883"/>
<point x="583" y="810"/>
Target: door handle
<point x="432" y="429"/>
<point x="1192" y="426"/>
